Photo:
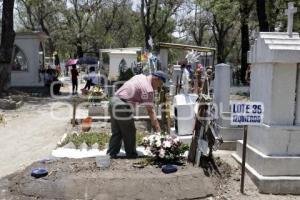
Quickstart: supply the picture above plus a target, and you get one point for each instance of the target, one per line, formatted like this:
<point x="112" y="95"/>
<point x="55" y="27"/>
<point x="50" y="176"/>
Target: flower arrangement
<point x="164" y="147"/>
<point x="96" y="95"/>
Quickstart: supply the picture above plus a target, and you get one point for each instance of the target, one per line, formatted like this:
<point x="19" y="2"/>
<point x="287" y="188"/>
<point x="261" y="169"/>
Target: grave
<point x="273" y="152"/>
<point x="118" y="55"/>
<point x="222" y="90"/>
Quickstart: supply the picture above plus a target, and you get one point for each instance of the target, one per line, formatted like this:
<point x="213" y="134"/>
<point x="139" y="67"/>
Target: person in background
<point x="57" y="64"/>
<point x="92" y="79"/>
<point x="74" y="75"/>
<point x="137" y="90"/>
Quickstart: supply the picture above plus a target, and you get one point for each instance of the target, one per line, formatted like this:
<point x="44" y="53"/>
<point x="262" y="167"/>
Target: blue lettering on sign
<point x="246" y="113"/>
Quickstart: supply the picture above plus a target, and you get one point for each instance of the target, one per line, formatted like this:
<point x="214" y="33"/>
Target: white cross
<point x="290" y="13"/>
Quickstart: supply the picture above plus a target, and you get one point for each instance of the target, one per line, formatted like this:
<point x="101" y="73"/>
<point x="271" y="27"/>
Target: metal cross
<point x="290" y="13"/>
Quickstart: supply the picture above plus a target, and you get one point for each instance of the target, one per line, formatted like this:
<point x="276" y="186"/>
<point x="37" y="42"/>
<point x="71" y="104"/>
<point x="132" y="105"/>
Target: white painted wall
<point x="29" y="44"/>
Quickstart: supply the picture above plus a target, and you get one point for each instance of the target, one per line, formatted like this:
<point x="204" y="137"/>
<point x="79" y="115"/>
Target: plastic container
<point x="103" y="161"/>
<point x="167" y="169"/>
<point x="39" y="172"/>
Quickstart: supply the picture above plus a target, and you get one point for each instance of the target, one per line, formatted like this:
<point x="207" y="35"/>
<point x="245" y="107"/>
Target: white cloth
<point x="94" y="78"/>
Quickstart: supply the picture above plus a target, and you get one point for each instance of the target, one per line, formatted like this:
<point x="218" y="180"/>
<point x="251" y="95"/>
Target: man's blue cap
<point x="161" y="75"/>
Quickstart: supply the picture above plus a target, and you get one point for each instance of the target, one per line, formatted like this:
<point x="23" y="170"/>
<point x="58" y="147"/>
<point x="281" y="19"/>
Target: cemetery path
<point x="30" y="133"/>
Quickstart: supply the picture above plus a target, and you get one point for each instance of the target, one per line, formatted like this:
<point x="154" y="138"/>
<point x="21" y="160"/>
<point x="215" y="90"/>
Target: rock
<point x="95" y="146"/>
<point x="83" y="146"/>
<point x="9" y="104"/>
<point x="70" y="145"/>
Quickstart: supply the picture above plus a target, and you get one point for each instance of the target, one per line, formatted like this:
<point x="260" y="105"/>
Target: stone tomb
<point x="273" y="151"/>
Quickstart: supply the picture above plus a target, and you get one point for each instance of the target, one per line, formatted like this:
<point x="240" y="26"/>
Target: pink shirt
<point x="137" y="90"/>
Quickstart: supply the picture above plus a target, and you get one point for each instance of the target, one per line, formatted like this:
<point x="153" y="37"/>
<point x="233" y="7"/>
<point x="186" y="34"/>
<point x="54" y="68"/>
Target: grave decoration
<point x="204" y="139"/>
<point x="96" y="95"/>
<point x="164" y="148"/>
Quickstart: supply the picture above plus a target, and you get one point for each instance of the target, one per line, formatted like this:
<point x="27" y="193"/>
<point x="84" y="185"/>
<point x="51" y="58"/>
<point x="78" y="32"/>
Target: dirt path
<point x="30" y="133"/>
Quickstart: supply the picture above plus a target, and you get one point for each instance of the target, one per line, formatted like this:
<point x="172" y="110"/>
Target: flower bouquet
<point x="164" y="147"/>
<point x="96" y="95"/>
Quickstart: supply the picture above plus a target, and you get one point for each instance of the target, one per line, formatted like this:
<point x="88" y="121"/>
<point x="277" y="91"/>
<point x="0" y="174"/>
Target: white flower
<point x="148" y="152"/>
<point x="167" y="144"/>
<point x="158" y="143"/>
<point x="162" y="153"/>
<point x="153" y="138"/>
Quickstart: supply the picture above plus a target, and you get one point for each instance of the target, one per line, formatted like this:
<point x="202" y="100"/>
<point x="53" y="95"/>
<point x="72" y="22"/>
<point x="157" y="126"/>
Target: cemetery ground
<point x="29" y="134"/>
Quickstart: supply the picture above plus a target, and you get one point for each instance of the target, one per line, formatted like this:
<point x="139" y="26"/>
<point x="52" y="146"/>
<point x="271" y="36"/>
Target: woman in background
<point x="74" y="75"/>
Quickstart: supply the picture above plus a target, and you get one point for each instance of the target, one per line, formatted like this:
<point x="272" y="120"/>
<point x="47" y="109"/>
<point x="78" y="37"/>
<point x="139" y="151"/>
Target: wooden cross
<point x="290" y="13"/>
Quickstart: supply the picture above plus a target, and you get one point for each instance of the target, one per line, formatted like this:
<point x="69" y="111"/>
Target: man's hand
<point x="153" y="118"/>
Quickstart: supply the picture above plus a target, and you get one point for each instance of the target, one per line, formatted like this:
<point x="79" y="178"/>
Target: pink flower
<point x="167" y="144"/>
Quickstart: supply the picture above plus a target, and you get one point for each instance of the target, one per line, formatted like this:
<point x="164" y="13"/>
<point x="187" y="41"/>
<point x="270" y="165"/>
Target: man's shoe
<point x="132" y="156"/>
<point x="113" y="156"/>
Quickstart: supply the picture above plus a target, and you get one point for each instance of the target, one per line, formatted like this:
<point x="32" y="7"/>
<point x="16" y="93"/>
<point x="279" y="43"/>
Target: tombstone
<point x="221" y="98"/>
<point x="273" y="149"/>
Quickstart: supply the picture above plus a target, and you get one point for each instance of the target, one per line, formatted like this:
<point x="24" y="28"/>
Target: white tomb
<point x="273" y="150"/>
<point x="184" y="114"/>
<point x="129" y="55"/>
<point x="28" y="60"/>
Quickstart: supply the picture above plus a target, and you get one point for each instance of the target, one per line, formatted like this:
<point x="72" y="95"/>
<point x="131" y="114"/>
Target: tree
<point x="77" y="21"/>
<point x="155" y="15"/>
<point x="7" y="43"/>
<point x="262" y="16"/>
<point x="41" y="15"/>
<point x="194" y="22"/>
<point x="119" y="25"/>
<point x="245" y="10"/>
<point x="224" y="25"/>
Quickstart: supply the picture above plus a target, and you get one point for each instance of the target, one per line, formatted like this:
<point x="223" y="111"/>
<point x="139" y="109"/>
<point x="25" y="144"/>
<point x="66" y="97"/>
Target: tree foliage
<point x="155" y="15"/>
<point x="77" y="27"/>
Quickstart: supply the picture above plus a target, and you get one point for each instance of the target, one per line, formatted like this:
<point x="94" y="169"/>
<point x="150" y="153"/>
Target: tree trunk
<point x="245" y="9"/>
<point x="147" y="37"/>
<point x="79" y="49"/>
<point x="7" y="43"/>
<point x="245" y="48"/>
<point x="262" y="17"/>
<point x="221" y="50"/>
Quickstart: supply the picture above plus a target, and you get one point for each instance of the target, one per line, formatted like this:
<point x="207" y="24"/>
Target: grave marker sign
<point x="246" y="113"/>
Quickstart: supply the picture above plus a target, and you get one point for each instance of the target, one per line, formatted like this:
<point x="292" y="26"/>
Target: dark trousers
<point x="88" y="84"/>
<point x="74" y="85"/>
<point x="122" y="128"/>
